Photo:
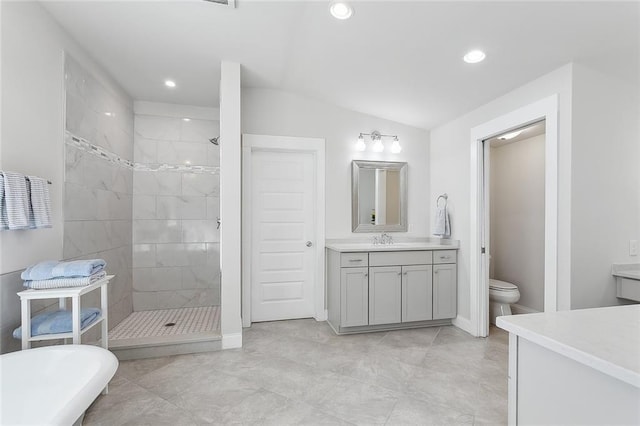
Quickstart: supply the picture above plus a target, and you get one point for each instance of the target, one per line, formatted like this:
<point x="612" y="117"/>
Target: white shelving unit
<point x="62" y="294"/>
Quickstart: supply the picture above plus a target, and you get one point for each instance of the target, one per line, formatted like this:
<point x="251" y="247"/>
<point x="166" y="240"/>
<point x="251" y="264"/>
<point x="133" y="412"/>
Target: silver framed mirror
<point x="378" y="196"/>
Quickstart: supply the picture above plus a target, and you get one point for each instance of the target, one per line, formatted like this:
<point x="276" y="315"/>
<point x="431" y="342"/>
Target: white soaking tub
<point x="53" y="385"/>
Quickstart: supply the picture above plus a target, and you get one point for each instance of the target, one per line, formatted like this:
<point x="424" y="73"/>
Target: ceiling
<point x="396" y="60"/>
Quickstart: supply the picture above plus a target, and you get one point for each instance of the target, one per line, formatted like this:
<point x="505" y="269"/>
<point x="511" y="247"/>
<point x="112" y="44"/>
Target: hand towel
<point x="65" y="282"/>
<point x="442" y="226"/>
<point x="54" y="269"/>
<point x="4" y="220"/>
<point x="40" y="202"/>
<point x="16" y="200"/>
<point x="58" y="322"/>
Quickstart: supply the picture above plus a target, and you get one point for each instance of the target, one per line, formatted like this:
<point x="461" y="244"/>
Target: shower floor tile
<point x="144" y="324"/>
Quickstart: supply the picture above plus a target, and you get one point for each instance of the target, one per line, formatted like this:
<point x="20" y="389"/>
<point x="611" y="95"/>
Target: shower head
<point x="215" y="141"/>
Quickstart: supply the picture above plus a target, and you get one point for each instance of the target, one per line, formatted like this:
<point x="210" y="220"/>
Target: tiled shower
<point x="142" y="191"/>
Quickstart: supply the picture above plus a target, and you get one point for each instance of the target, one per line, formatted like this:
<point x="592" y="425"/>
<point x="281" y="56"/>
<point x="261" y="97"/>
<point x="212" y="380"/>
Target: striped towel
<point x="4" y="220"/>
<point x="65" y="282"/>
<point x="40" y="202"/>
<point x="16" y="200"/>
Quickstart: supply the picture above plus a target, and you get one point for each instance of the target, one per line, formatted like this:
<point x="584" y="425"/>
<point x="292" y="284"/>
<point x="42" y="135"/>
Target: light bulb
<point x="395" y="146"/>
<point x="340" y="10"/>
<point x="377" y="146"/>
<point x="474" y="57"/>
<point x="360" y="145"/>
<point x="511" y="135"/>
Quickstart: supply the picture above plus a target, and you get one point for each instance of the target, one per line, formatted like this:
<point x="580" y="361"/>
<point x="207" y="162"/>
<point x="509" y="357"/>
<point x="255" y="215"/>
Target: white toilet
<point x="501" y="295"/>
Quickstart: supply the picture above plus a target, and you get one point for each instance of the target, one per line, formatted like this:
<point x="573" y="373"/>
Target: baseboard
<point x="231" y="341"/>
<point x="323" y="316"/>
<point x="517" y="309"/>
<point x="464" y="324"/>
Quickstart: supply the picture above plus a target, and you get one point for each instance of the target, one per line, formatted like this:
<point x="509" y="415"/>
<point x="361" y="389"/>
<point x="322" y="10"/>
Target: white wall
<point x="606" y="179"/>
<point x="450" y="159"/>
<point x="33" y="118"/>
<point x="31" y="142"/>
<point x="517" y="218"/>
<point x="273" y="112"/>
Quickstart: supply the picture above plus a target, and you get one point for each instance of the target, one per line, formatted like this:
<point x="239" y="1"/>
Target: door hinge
<point x="483" y="251"/>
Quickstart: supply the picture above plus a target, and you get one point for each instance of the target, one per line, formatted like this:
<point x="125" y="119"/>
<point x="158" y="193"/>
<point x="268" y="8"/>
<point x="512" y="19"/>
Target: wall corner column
<point x="230" y="204"/>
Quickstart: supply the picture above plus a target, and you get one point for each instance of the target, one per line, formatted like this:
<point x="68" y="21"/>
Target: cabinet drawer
<point x="348" y="260"/>
<point x="393" y="258"/>
<point x="444" y="256"/>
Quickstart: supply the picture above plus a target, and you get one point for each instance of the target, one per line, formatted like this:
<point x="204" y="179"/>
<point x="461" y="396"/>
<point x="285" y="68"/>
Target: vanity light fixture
<point x="340" y="10"/>
<point x="170" y="83"/>
<point x="395" y="146"/>
<point x="474" y="56"/>
<point x="378" y="146"/>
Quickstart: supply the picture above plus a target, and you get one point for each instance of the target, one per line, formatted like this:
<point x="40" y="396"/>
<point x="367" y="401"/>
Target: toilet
<point x="501" y="295"/>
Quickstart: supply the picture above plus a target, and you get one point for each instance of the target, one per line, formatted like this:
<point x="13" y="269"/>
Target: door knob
<point x="309" y="243"/>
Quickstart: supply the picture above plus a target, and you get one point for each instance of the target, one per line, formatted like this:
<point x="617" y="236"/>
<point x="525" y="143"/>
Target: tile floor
<point x="300" y="372"/>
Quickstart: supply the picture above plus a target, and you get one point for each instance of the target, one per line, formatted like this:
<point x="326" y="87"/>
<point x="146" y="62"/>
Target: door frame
<point x="269" y="143"/>
<point x="545" y="109"/>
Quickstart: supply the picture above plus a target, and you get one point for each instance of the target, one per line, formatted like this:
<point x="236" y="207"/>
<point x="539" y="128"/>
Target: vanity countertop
<point x="361" y="246"/>
<point x="606" y="339"/>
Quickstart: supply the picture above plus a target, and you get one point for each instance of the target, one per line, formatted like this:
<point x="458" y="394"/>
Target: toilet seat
<point x="501" y="285"/>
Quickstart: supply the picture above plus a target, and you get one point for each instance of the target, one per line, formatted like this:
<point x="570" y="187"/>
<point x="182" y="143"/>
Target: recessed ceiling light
<point x="108" y="114"/>
<point x="186" y="119"/>
<point x="474" y="57"/>
<point x="340" y="10"/>
<point x="508" y="136"/>
<point x="170" y="83"/>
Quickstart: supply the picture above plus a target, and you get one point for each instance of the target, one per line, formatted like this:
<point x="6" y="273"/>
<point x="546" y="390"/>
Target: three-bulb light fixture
<point x="376" y="138"/>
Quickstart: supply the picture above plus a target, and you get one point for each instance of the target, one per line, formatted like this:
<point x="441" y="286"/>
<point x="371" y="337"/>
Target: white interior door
<point x="283" y="261"/>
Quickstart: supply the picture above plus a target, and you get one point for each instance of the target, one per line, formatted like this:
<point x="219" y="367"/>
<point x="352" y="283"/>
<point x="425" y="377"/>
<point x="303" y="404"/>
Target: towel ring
<point x="443" y="196"/>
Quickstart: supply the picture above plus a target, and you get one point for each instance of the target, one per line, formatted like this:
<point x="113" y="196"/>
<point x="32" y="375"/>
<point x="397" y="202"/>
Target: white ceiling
<point x="392" y="59"/>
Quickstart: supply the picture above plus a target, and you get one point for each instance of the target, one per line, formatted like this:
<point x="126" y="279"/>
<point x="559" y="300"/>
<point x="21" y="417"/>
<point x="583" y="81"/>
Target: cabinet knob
<point x="435" y="272"/>
<point x="366" y="275"/>
<point x="399" y="273"/>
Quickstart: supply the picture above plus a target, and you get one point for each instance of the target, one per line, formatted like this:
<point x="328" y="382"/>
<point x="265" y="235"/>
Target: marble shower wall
<point x="176" y="200"/>
<point x="98" y="206"/>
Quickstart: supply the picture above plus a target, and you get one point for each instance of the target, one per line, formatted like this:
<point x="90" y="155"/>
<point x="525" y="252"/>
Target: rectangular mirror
<point x="378" y="196"/>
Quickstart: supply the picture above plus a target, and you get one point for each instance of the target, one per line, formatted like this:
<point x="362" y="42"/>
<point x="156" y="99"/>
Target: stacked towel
<point x="442" y="226"/>
<point x="58" y="322"/>
<point x="49" y="269"/>
<point x="54" y="274"/>
<point x="65" y="282"/>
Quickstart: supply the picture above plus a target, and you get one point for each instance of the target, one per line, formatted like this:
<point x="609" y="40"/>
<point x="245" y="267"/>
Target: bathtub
<point x="53" y="385"/>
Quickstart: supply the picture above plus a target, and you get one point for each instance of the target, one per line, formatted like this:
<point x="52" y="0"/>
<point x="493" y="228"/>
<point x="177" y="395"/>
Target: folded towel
<point x="16" y="200"/>
<point x="65" y="282"/>
<point x="54" y="269"/>
<point x="442" y="226"/>
<point x="58" y="322"/>
<point x="4" y="220"/>
<point x="40" y="211"/>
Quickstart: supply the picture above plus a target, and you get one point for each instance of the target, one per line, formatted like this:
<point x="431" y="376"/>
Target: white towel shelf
<point x="62" y="294"/>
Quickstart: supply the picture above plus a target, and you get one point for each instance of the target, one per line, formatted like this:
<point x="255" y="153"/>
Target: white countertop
<point x="630" y="270"/>
<point x="346" y="247"/>
<point x="606" y="339"/>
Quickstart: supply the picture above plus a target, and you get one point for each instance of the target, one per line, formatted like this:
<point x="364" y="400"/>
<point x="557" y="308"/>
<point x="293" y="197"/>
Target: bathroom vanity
<point x="383" y="287"/>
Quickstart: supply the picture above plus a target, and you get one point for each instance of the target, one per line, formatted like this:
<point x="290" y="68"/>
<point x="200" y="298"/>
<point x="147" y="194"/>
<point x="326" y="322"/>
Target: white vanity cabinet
<point x="378" y="290"/>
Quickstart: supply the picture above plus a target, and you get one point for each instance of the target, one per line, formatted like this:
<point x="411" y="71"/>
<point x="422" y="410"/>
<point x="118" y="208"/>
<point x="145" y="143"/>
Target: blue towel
<point x="54" y="269"/>
<point x="58" y="322"/>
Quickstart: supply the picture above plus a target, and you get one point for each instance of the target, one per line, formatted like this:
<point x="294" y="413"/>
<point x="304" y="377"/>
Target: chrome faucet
<point x="383" y="239"/>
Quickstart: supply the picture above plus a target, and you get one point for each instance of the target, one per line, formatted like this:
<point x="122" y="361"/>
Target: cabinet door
<point x="354" y="297"/>
<point x="445" y="298"/>
<point x="385" y="295"/>
<point x="417" y="300"/>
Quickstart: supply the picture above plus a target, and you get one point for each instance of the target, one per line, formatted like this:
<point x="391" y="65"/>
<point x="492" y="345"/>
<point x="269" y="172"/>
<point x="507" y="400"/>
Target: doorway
<point x="515" y="204"/>
<point x="283" y="228"/>
<point x="547" y="110"/>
